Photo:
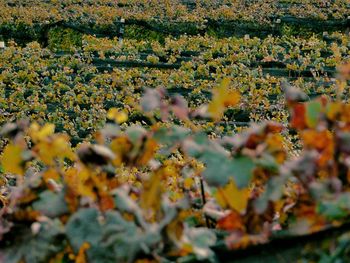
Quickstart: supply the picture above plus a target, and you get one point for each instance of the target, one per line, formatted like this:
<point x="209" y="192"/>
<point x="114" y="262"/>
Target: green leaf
<point x="195" y="146"/>
<point x="82" y="227"/>
<point x="172" y="135"/>
<point x="268" y="162"/>
<point x="337" y="208"/>
<point x="201" y="239"/>
<point x="51" y="204"/>
<point x="273" y="192"/>
<point x="331" y="210"/>
<point x="243" y="170"/>
<point x="220" y="168"/>
<point x="135" y="134"/>
<point x="35" y="248"/>
<point x="125" y="239"/>
<point x="313" y="110"/>
<point x="113" y="246"/>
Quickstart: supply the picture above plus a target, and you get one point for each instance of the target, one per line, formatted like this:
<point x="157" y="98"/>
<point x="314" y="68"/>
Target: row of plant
<point x="170" y="17"/>
<point x="73" y="93"/>
<point x="105" y="12"/>
<point x="293" y="53"/>
<point x="171" y="193"/>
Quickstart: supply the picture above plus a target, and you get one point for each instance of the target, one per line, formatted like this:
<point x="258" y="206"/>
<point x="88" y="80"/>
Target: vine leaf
<point x="83" y="227"/>
<point x="117" y="116"/>
<point x="222" y="97"/>
<point x="231" y="197"/>
<point x="313" y="110"/>
<point x="12" y="159"/>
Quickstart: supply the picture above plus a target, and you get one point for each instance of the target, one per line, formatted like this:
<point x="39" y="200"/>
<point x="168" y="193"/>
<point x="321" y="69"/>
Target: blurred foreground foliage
<point x="170" y="192"/>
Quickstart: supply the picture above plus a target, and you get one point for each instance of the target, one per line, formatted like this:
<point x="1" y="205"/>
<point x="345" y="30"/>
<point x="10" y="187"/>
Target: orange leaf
<point x="230" y="222"/>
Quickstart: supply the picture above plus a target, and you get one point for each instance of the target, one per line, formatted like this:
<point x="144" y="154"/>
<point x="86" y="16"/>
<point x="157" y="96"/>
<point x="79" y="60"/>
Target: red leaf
<point x="230" y="222"/>
<point x="298" y="116"/>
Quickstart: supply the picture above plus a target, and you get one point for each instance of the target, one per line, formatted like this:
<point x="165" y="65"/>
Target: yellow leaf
<point x="79" y="180"/>
<point x="81" y="257"/>
<point x="117" y="116"/>
<point x="120" y="146"/>
<point x="188" y="183"/>
<point x="12" y="159"/>
<point x="152" y="191"/>
<point x="51" y="174"/>
<point x="232" y="197"/>
<point x="222" y="97"/>
<point x="150" y="148"/>
<point x="57" y="148"/>
<point x="41" y="133"/>
<point x="333" y="110"/>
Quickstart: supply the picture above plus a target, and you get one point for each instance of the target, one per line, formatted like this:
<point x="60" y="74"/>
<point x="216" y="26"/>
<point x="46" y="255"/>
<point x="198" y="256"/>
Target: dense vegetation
<point x="75" y="88"/>
<point x="174" y="131"/>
